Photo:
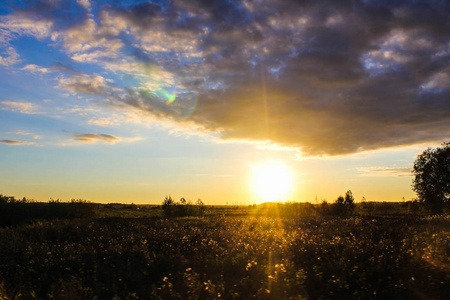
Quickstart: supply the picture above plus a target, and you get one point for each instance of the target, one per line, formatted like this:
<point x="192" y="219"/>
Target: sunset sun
<point x="272" y="181"/>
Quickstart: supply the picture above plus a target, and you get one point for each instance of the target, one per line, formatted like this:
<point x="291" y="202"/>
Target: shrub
<point x="183" y="208"/>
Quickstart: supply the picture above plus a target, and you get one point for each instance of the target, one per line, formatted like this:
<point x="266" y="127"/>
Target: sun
<point x="272" y="181"/>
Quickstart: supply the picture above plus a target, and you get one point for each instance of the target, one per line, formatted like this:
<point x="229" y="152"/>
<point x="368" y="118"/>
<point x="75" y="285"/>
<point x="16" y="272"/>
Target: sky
<point x="130" y="101"/>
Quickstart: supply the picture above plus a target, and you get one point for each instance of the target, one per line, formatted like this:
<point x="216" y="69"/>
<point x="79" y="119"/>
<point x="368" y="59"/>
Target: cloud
<point x="94" y="85"/>
<point x="36" y="69"/>
<point x="21" y="107"/>
<point x="89" y="138"/>
<point x="9" y="57"/>
<point x="21" y="132"/>
<point x="437" y="82"/>
<point x="387" y="171"/>
<point x="85" y="3"/>
<point x="24" y="23"/>
<point x="95" y="137"/>
<point x="328" y="78"/>
<point x="305" y="77"/>
<point x="15" y="143"/>
<point x="103" y="121"/>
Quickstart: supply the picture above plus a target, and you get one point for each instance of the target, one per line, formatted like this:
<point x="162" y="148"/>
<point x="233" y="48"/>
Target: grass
<point x="230" y="253"/>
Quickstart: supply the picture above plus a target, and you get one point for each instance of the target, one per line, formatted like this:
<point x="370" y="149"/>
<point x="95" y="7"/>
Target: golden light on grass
<point x="271" y="181"/>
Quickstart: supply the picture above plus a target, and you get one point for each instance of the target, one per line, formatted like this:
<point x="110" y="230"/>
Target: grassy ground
<point x="227" y="254"/>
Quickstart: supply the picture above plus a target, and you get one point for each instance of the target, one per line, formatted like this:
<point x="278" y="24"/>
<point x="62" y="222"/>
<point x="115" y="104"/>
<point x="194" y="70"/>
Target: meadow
<point x="251" y="252"/>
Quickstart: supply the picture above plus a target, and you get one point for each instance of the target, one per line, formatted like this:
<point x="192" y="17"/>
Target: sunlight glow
<point x="272" y="181"/>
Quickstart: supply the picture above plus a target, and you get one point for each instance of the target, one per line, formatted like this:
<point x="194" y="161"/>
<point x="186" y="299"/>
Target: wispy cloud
<point x="24" y="23"/>
<point x="105" y="121"/>
<point x="9" y="57"/>
<point x="85" y="3"/>
<point x="15" y="143"/>
<point x="21" y="132"/>
<point x="36" y="69"/>
<point x="26" y="133"/>
<point x="89" y="138"/>
<point x="21" y="107"/>
<point x="386" y="171"/>
<point x="95" y="137"/>
<point x="94" y="85"/>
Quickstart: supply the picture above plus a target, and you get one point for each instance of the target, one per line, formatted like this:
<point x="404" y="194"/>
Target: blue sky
<point x="127" y="101"/>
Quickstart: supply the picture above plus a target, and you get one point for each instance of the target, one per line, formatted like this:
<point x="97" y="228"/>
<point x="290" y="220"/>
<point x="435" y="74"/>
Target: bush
<point x="344" y="205"/>
<point x="183" y="208"/>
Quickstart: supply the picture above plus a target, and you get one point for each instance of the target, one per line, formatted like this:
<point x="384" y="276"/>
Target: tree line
<point x="16" y="211"/>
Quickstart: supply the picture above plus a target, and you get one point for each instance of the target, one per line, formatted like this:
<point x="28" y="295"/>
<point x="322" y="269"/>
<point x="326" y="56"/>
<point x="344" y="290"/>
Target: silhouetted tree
<point x="338" y="207"/>
<point x="167" y="205"/>
<point x="432" y="178"/>
<point x="182" y="208"/>
<point x="344" y="205"/>
<point x="349" y="202"/>
<point x="200" y="207"/>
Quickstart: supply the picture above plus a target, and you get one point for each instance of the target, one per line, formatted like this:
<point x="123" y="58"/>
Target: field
<point x="228" y="253"/>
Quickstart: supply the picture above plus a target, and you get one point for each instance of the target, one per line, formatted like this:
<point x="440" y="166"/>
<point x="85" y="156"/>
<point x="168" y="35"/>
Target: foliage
<point x="344" y="205"/>
<point x="167" y="205"/>
<point x="349" y="202"/>
<point x="13" y="211"/>
<point x="234" y="257"/>
<point x="183" y="208"/>
<point x="432" y="178"/>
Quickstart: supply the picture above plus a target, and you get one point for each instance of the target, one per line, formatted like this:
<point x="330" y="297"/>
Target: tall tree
<point x="432" y="177"/>
<point x="349" y="202"/>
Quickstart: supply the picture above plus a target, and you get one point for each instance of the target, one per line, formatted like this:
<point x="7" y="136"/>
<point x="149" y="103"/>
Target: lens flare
<point x="191" y="102"/>
<point x="169" y="97"/>
<point x="165" y="86"/>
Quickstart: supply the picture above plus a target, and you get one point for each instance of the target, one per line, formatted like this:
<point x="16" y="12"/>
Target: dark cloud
<point x="60" y="67"/>
<point x="63" y="14"/>
<point x="15" y="143"/>
<point x="337" y="78"/>
<point x="95" y="137"/>
<point x="328" y="77"/>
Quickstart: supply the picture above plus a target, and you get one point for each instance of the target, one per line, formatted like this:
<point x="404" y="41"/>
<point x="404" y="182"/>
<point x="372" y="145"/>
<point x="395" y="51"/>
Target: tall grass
<point x="229" y="257"/>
